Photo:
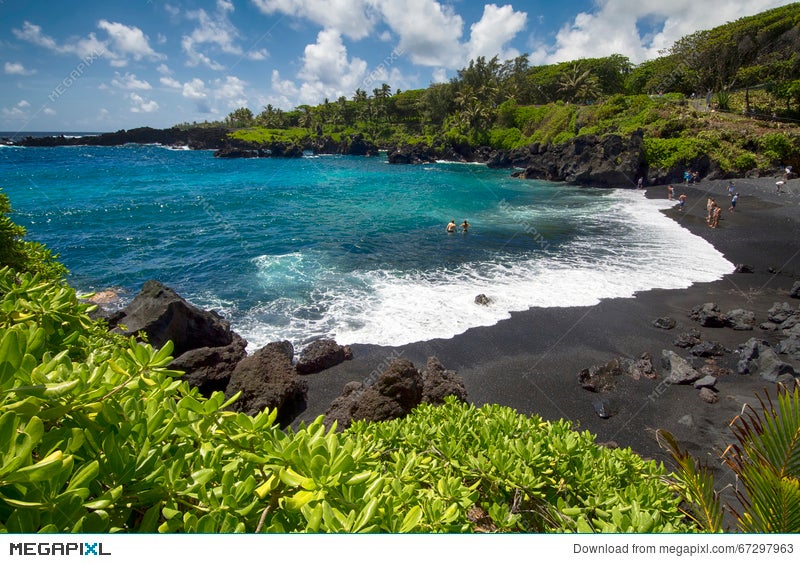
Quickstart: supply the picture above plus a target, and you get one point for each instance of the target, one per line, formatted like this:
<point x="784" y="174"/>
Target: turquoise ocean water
<point x="347" y="247"/>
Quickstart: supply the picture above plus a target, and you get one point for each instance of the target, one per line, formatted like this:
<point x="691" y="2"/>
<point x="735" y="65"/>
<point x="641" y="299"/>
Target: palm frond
<point x="694" y="482"/>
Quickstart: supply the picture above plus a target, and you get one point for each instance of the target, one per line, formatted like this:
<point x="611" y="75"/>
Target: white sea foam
<point x="395" y="308"/>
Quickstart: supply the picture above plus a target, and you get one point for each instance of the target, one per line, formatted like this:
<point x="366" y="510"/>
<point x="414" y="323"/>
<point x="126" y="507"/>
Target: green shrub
<point x="505" y="138"/>
<point x="776" y="147"/>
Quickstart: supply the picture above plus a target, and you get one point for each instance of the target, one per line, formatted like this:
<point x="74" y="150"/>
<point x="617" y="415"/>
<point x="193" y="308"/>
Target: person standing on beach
<point x="710" y="204"/>
<point x="734" y="200"/>
<point x="682" y="202"/>
<point x="731" y="188"/>
<point x="715" y="215"/>
<point x="451" y="226"/>
<point x="640" y="183"/>
<point x="670" y="192"/>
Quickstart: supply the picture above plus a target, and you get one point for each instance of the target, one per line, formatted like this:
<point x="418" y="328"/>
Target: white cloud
<point x="217" y="32"/>
<point x="353" y="18"/>
<point x="123" y="43"/>
<point x="18" y="112"/>
<point x="495" y="29"/>
<point x="327" y="71"/>
<point x="614" y="27"/>
<point x="17" y="68"/>
<point x="170" y="82"/>
<point x="231" y="91"/>
<point x="49" y="111"/>
<point x="140" y="105"/>
<point x="429" y="32"/>
<point x="129" y="81"/>
<point x="164" y="69"/>
<point x="128" y="41"/>
<point x="259" y="55"/>
<point x="195" y="89"/>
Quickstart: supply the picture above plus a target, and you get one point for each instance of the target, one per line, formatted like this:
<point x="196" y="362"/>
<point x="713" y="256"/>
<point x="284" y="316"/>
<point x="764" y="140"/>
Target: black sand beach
<point x="530" y="361"/>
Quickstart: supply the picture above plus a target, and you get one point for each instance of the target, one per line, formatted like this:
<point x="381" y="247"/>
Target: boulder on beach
<point x="666" y="323"/>
<point x="795" y="291"/>
<point x="210" y="369"/>
<point x="320" y="355"/>
<point x="395" y="393"/>
<point x="439" y="383"/>
<point x="267" y="379"/>
<point x="740" y="319"/>
<point x="680" y="371"/>
<point x="708" y="315"/>
<point x="688" y="339"/>
<point x="482" y="299"/>
<point x="164" y="315"/>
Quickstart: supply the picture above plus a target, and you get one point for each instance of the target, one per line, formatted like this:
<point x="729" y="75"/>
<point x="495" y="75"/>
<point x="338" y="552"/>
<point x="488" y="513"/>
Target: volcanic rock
<point x="438" y="383"/>
<point x="680" y="371"/>
<point x="267" y="379"/>
<point x="164" y="315"/>
<point x="210" y="369"/>
<point x="740" y="319"/>
<point x="708" y="314"/>
<point x="666" y="323"/>
<point x="320" y="355"/>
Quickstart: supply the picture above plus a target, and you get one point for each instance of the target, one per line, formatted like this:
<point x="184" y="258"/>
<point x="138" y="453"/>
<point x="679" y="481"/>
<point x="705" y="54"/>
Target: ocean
<point x="351" y="248"/>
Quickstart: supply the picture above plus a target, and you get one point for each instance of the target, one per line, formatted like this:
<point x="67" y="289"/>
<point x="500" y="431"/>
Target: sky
<point x="105" y="65"/>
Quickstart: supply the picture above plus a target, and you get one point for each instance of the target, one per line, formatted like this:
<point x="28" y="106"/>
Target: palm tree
<point x="578" y="85"/>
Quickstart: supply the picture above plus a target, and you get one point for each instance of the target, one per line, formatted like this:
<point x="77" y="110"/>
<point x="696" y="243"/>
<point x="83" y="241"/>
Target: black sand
<point x="530" y="361"/>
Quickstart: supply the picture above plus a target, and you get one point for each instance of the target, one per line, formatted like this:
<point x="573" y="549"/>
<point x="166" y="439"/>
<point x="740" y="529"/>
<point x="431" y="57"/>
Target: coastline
<point x="530" y="361"/>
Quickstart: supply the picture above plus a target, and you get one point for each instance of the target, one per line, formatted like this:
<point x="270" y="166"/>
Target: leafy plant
<point x="766" y="461"/>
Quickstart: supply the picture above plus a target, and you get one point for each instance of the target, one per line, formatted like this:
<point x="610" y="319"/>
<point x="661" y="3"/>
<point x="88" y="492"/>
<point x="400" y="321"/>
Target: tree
<point x="241" y="117"/>
<point x="579" y="85"/>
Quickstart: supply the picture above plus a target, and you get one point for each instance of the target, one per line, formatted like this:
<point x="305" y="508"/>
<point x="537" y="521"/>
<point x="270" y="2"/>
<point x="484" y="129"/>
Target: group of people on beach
<point x="452" y="228"/>
<point x="713" y="210"/>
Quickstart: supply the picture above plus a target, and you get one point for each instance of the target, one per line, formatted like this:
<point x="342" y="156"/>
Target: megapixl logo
<point x="57" y="548"/>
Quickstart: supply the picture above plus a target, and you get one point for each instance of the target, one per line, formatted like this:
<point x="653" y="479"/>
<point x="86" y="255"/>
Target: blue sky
<point x="100" y="65"/>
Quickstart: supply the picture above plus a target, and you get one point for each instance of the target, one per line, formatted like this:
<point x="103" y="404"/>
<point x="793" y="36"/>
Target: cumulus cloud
<point x="428" y="31"/>
<point x="123" y="43"/>
<point x="639" y="29"/>
<point x="327" y="71"/>
<point x="18" y="111"/>
<point x="353" y="18"/>
<point x="231" y="91"/>
<point x="214" y="31"/>
<point x="140" y="105"/>
<point x="17" y="68"/>
<point x="129" y="81"/>
<point x="170" y="82"/>
<point x="128" y="41"/>
<point x="498" y="26"/>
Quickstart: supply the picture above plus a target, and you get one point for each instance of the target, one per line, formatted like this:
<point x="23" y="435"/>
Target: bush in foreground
<point x="97" y="435"/>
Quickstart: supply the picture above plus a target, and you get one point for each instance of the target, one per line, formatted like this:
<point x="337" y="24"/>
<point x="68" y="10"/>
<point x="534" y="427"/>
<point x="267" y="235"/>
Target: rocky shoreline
<point x="609" y="161"/>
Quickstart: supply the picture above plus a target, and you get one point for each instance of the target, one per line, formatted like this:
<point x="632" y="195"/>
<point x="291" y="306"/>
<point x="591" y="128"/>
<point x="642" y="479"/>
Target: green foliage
<point x="97" y="435"/>
<point x="668" y="153"/>
<point x="766" y="461"/>
<point x="22" y="255"/>
<point x="776" y="147"/>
